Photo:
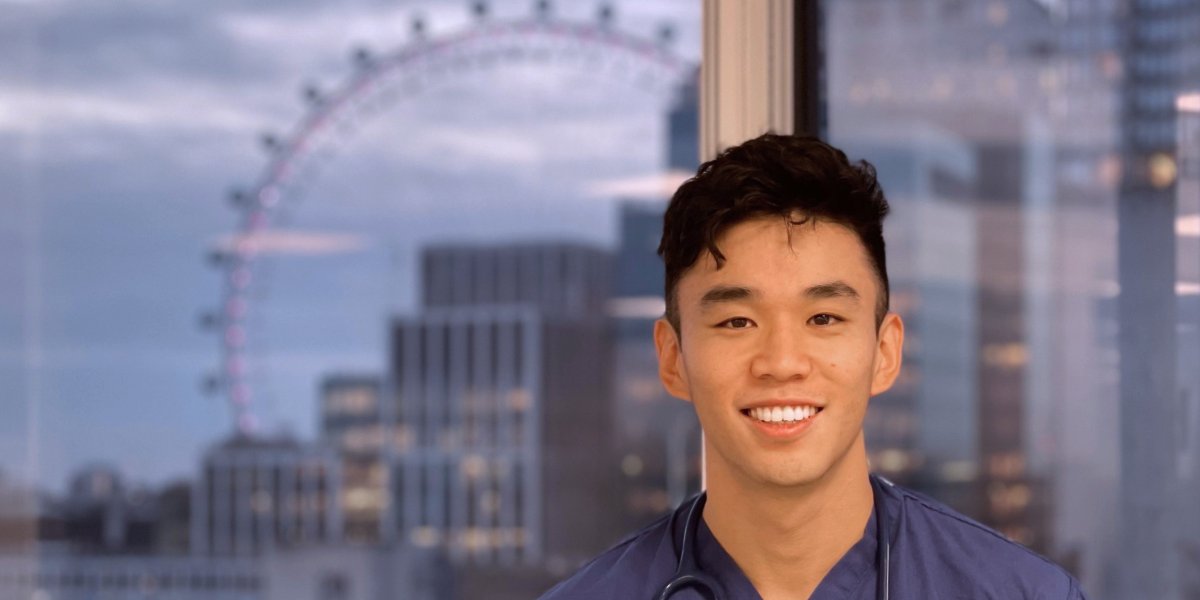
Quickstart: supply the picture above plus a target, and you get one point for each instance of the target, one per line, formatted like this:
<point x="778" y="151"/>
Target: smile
<point x="781" y="414"/>
<point x="782" y="423"/>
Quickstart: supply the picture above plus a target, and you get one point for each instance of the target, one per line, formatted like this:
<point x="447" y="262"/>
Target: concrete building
<point x="1160" y="522"/>
<point x="923" y="431"/>
<point x="99" y="514"/>
<point x="326" y="572"/>
<point x="357" y="572"/>
<point x="658" y="435"/>
<point x="254" y="495"/>
<point x="503" y="390"/>
<point x="19" y="516"/>
<point x="67" y="576"/>
<point x="1187" y="427"/>
<point x="559" y="279"/>
<point x="998" y="97"/>
<point x="351" y="423"/>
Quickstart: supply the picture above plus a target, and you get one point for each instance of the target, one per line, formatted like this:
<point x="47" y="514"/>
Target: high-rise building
<point x="254" y="495"/>
<point x="559" y="279"/>
<point x="1160" y="58"/>
<point x="350" y="412"/>
<point x="922" y="432"/>
<point x="1187" y="432"/>
<point x="503" y="389"/>
<point x="658" y="435"/>
<point x="1012" y="498"/>
<point x="1071" y="112"/>
<point x="351" y="422"/>
<point x="683" y="126"/>
<point x="966" y="244"/>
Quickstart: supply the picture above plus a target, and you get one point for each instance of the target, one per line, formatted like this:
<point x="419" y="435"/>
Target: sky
<point x="125" y="124"/>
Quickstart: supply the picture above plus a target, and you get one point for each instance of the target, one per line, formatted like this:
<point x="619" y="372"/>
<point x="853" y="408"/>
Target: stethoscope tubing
<point x="689" y="575"/>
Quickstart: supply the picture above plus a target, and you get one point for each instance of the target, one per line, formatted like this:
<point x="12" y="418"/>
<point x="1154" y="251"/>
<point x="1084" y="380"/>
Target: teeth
<point x="785" y="414"/>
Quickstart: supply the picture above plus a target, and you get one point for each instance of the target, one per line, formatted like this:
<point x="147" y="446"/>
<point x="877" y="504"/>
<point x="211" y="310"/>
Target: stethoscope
<point x="689" y="575"/>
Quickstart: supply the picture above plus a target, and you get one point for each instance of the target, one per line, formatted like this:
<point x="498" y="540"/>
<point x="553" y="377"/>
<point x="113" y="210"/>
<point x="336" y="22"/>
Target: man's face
<point x="780" y="325"/>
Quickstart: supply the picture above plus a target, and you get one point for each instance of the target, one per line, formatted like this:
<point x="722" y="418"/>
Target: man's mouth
<point x="781" y="414"/>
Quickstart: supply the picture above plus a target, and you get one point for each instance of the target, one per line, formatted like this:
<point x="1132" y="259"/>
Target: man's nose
<point x="784" y="354"/>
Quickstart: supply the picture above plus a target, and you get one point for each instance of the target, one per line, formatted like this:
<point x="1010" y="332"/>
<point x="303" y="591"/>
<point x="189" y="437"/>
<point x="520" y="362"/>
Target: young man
<point x="777" y="330"/>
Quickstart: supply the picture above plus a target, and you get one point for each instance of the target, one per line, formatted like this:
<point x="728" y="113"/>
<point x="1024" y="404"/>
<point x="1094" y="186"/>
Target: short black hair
<point x="772" y="175"/>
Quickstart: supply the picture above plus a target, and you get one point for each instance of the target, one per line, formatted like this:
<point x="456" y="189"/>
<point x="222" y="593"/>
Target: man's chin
<point x="756" y="469"/>
<point x="787" y="476"/>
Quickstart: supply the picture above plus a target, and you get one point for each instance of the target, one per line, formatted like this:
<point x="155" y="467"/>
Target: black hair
<point x="772" y="175"/>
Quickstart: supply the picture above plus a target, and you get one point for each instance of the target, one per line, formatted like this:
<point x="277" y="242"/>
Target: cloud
<point x="654" y="185"/>
<point x="296" y="243"/>
<point x="329" y="30"/>
<point x="329" y="27"/>
<point x="39" y="110"/>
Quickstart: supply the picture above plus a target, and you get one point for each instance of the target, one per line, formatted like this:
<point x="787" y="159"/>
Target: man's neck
<point x="787" y="539"/>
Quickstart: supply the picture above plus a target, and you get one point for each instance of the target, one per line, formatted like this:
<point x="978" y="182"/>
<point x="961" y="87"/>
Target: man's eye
<point x="736" y="323"/>
<point x="824" y="319"/>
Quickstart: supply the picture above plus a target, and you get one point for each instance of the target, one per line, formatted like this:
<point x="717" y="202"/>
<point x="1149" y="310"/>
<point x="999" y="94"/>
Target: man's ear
<point x="889" y="353"/>
<point x="670" y="360"/>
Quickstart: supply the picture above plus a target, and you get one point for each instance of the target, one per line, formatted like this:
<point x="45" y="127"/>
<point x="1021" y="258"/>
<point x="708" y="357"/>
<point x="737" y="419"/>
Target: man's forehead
<point x="769" y="250"/>
<point x="755" y="241"/>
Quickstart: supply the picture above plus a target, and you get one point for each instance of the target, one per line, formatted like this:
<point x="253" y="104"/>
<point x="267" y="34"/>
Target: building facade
<point x="351" y="423"/>
<point x="257" y="495"/>
<point x="502" y="387"/>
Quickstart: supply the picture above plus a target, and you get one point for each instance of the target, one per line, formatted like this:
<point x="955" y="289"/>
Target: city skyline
<point x="164" y="173"/>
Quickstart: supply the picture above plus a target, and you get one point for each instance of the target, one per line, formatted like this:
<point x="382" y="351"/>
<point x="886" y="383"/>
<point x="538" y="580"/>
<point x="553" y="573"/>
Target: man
<point x="777" y="330"/>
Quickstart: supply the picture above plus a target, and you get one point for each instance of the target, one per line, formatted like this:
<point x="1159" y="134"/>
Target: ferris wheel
<point x="377" y="81"/>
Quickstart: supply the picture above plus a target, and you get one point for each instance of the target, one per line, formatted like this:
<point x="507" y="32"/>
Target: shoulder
<point x="952" y="547"/>
<point x="626" y="570"/>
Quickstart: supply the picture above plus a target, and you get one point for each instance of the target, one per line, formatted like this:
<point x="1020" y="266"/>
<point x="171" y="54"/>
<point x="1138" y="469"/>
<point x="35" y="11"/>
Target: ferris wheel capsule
<point x="239" y="198"/>
<point x="480" y="10"/>
<point x="362" y="58"/>
<point x="218" y="258"/>
<point x="210" y="384"/>
<point x="666" y="34"/>
<point x="270" y="142"/>
<point x="605" y="14"/>
<point x="312" y="95"/>
<point x="210" y="320"/>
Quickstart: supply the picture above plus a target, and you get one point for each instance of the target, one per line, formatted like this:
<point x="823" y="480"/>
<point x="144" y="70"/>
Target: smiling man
<point x="778" y="332"/>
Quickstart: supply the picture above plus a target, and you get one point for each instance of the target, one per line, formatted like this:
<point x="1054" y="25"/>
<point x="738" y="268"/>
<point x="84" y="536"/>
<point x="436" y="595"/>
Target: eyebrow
<point x="733" y="293"/>
<point x="726" y="293"/>
<point x="833" y="289"/>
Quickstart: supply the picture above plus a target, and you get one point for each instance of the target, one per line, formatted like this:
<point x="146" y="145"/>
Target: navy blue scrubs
<point x="937" y="554"/>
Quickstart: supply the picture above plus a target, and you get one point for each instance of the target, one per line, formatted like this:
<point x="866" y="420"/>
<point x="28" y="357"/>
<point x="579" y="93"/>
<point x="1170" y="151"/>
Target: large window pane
<point x="304" y="298"/>
<point x="1040" y="161"/>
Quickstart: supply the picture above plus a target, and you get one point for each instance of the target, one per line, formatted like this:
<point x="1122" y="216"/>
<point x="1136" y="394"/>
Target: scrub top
<point x="937" y="554"/>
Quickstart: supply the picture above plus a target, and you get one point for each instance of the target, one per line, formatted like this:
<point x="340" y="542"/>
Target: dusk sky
<point x="125" y="124"/>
